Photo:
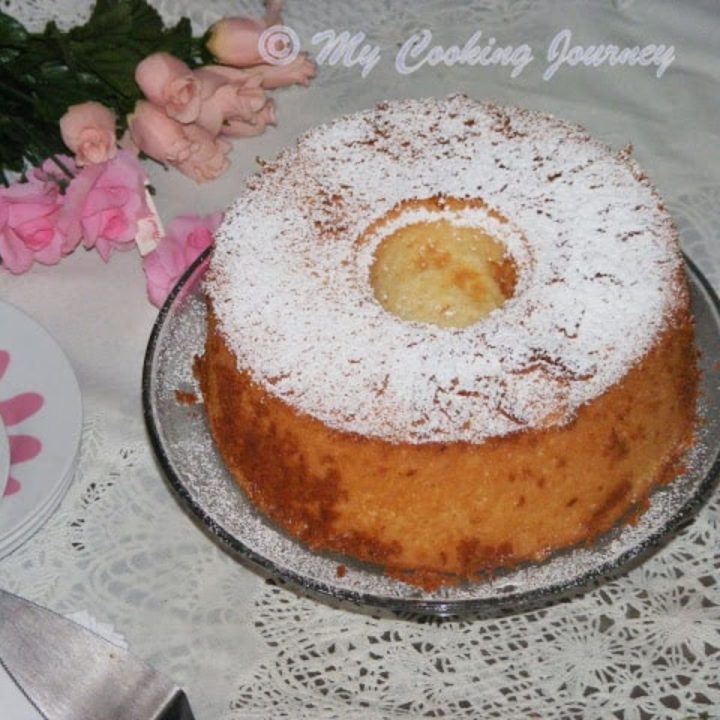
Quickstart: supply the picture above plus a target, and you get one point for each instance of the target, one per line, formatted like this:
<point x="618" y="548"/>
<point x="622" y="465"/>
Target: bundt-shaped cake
<point x="447" y="337"/>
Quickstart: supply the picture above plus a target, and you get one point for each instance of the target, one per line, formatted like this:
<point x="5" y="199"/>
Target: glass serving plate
<point x="185" y="449"/>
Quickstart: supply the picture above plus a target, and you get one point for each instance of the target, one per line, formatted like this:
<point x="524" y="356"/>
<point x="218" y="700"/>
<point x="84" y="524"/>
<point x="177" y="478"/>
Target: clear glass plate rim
<point x="618" y="565"/>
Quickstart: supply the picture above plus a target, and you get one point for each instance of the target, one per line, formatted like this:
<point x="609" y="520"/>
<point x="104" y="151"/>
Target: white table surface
<point x="645" y="645"/>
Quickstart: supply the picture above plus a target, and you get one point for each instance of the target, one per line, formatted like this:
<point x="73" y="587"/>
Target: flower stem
<point x="62" y="166"/>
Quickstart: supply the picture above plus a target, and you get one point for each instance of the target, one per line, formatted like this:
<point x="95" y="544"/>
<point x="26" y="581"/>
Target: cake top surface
<point x="598" y="272"/>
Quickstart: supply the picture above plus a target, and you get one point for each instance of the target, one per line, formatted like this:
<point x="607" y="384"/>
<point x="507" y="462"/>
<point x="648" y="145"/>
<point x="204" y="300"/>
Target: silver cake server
<point x="69" y="673"/>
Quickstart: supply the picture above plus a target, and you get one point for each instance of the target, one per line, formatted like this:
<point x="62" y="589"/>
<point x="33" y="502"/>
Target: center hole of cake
<point x="441" y="273"/>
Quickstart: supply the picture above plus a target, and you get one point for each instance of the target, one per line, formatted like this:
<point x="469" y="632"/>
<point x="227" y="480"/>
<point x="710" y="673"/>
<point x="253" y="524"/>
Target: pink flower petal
<point x="20" y="407"/>
<point x="187" y="236"/>
<point x="23" y="448"/>
<point x="16" y="256"/>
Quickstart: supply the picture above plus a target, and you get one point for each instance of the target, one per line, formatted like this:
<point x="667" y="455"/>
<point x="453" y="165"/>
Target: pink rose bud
<point x="158" y="135"/>
<point x="168" y="82"/>
<point x="267" y="116"/>
<point x="239" y="128"/>
<point x="209" y="158"/>
<point x="213" y="76"/>
<point x="224" y="101"/>
<point x="234" y="40"/>
<point x="299" y="72"/>
<point x="88" y="130"/>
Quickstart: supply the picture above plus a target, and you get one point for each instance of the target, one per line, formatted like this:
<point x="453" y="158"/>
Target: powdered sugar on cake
<point x="596" y="253"/>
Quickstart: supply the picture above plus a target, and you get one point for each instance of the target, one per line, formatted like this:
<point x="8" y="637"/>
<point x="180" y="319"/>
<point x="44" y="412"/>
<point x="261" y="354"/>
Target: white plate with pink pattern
<point x="41" y="410"/>
<point x="4" y="458"/>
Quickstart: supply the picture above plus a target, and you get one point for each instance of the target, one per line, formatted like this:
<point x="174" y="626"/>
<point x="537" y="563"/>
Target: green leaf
<point x="12" y="33"/>
<point x="120" y="18"/>
<point x="179" y="41"/>
<point x="111" y="65"/>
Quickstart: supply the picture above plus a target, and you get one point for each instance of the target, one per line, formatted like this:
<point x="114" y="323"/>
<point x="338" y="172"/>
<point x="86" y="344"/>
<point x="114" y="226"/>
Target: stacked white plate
<point x="40" y="426"/>
<point x="4" y="458"/>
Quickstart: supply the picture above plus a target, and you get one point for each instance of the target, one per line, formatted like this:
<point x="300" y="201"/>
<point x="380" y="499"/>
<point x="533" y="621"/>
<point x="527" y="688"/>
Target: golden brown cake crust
<point x="439" y="513"/>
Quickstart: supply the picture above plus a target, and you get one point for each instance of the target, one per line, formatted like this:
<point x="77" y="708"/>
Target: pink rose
<point x="209" y="160"/>
<point x="187" y="237"/>
<point x="224" y="101"/>
<point x="193" y="150"/>
<point x="168" y="82"/>
<point x="299" y="72"/>
<point x="88" y="129"/>
<point x="234" y="40"/>
<point x="29" y="231"/>
<point x="238" y="128"/>
<point x="104" y="203"/>
<point x="158" y="135"/>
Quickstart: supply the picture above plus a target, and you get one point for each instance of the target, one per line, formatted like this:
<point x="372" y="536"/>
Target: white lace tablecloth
<point x="646" y="645"/>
